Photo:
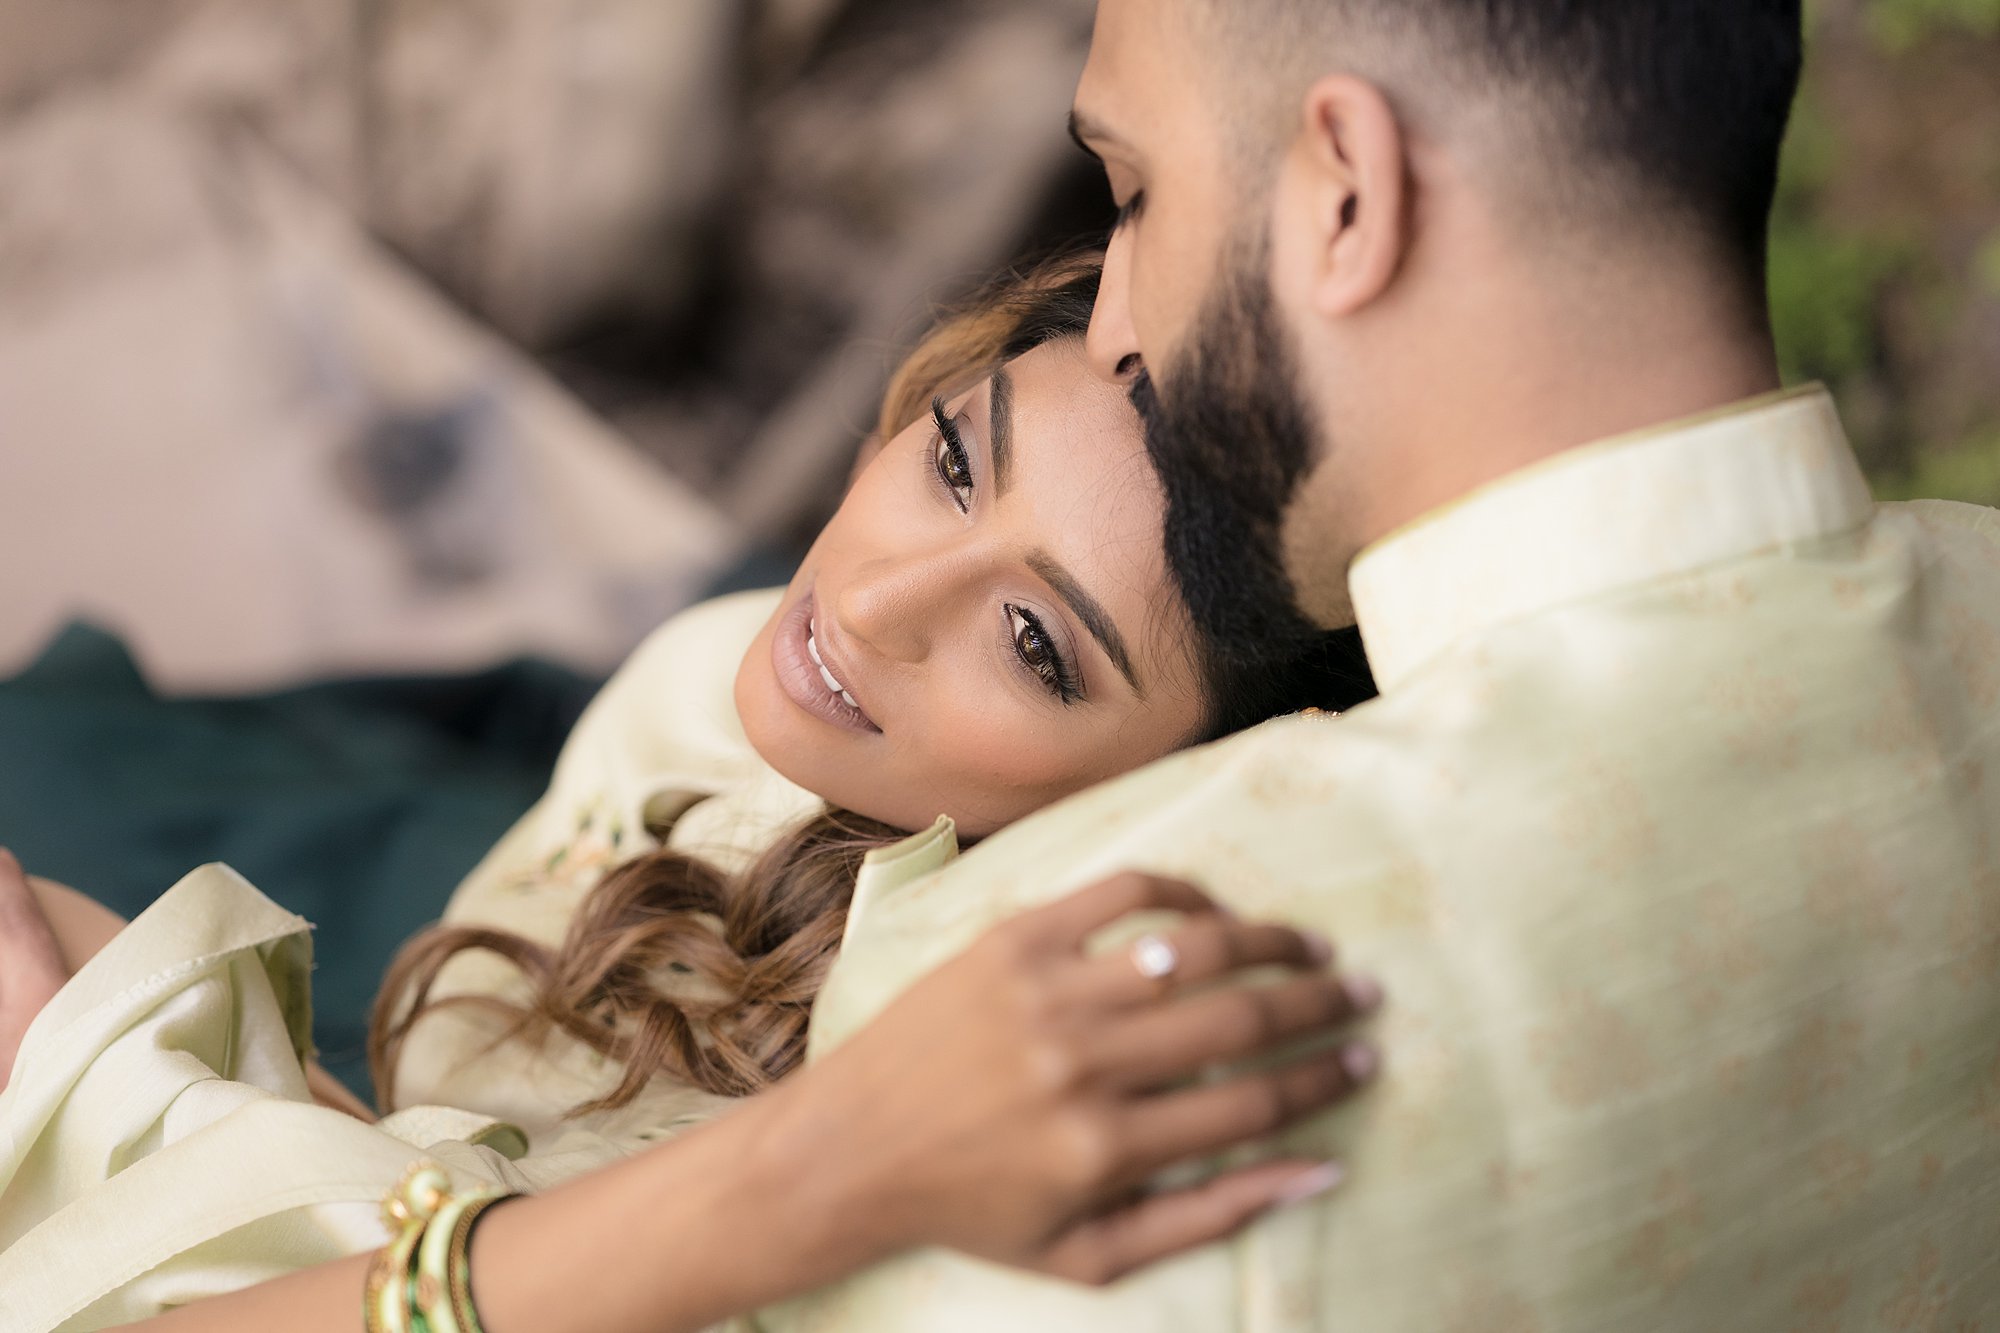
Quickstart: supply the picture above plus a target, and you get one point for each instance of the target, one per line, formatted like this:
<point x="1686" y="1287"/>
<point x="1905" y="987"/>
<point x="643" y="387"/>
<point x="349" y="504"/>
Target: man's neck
<point x="1541" y="381"/>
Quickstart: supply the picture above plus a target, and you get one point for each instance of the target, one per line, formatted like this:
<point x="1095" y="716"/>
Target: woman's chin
<point x="805" y="753"/>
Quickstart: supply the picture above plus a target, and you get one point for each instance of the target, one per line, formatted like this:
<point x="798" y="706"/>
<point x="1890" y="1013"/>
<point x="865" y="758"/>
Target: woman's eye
<point x="1039" y="654"/>
<point x="954" y="470"/>
<point x="949" y="459"/>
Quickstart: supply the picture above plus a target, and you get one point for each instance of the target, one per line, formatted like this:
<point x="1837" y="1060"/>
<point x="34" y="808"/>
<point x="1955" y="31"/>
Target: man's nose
<point x="1111" y="345"/>
<point x="895" y="605"/>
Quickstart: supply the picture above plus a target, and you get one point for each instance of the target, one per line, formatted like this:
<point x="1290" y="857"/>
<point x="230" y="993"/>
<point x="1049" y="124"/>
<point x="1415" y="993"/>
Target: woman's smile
<point x="812" y="676"/>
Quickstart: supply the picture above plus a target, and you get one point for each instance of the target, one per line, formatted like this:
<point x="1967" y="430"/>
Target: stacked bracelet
<point x="421" y="1282"/>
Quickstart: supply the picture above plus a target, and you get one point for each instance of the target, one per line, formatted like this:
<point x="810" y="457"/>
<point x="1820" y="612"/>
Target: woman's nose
<point x="1111" y="344"/>
<point x="895" y="605"/>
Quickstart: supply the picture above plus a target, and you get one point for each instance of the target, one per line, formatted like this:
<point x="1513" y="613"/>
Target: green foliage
<point x="1824" y="288"/>
<point x="1825" y="279"/>
<point x="1987" y="266"/>
<point x="1970" y="471"/>
<point x="1901" y="24"/>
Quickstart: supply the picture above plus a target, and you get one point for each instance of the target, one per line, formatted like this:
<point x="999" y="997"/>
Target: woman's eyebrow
<point x="1091" y="612"/>
<point x="1000" y="418"/>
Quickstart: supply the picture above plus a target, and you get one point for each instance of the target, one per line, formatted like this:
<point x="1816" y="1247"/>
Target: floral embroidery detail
<point x="1667" y="1246"/>
<point x="1717" y="950"/>
<point x="1820" y="1062"/>
<point x="1843" y="1169"/>
<point x="1592" y="1052"/>
<point x="1759" y="712"/>
<point x="1820" y="1297"/>
<point x="1922" y="1295"/>
<point x="1484" y="1306"/>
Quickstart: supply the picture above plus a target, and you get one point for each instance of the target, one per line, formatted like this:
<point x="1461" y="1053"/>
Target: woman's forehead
<point x="1074" y="424"/>
<point x="1089" y="494"/>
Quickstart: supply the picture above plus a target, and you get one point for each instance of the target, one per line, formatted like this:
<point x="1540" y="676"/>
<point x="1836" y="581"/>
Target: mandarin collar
<point x="1761" y="475"/>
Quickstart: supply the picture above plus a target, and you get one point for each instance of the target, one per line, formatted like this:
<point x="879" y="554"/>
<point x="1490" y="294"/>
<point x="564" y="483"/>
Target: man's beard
<point x="1232" y="439"/>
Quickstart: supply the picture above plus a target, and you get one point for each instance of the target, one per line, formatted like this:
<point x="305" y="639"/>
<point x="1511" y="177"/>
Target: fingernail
<point x="1364" y="993"/>
<point x="1318" y="947"/>
<point x="1360" y="1061"/>
<point x="1311" y="1184"/>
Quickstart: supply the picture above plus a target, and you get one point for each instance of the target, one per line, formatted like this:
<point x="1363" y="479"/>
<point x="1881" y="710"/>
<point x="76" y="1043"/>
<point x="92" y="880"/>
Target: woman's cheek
<point x="994" y="752"/>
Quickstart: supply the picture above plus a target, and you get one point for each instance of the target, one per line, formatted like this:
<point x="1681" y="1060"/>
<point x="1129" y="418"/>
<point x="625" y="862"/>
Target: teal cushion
<point x="357" y="804"/>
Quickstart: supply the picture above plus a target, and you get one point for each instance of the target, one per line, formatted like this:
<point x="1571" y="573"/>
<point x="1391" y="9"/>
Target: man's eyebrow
<point x="1091" y="612"/>
<point x="1000" y="414"/>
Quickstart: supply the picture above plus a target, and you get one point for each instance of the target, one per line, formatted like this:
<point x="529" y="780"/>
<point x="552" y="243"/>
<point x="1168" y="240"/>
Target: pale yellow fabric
<point x="158" y="1143"/>
<point x="1673" y="839"/>
<point x="157" y="1140"/>
<point x="659" y="750"/>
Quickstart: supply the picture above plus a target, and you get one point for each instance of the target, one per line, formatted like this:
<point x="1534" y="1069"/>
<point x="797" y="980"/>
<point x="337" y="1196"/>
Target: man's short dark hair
<point x="1671" y="108"/>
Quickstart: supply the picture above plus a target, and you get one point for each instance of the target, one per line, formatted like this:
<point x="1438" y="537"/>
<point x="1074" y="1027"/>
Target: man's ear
<point x="1351" y="148"/>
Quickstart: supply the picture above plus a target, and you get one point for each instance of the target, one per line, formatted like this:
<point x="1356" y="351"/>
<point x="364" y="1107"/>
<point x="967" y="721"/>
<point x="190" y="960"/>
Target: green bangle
<point x="441" y="1283"/>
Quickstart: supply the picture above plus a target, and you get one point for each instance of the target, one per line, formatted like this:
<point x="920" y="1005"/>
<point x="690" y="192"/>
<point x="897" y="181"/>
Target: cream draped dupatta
<point x="158" y="1143"/>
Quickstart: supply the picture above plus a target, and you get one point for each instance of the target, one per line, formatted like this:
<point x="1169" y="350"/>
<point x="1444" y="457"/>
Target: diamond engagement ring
<point x="1155" y="958"/>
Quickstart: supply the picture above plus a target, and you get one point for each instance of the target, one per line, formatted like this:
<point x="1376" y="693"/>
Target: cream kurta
<point x="1673" y="837"/>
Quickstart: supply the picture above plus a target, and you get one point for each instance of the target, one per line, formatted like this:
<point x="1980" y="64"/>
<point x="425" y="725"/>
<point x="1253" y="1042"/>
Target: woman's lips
<point x="808" y="678"/>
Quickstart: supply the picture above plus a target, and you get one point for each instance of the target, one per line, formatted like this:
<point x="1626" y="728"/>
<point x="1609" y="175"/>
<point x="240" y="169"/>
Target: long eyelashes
<point x="950" y="460"/>
<point x="1028" y="637"/>
<point x="1038" y="652"/>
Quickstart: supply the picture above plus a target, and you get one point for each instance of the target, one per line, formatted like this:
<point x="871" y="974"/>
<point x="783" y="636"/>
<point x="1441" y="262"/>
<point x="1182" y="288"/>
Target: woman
<point x="986" y="627"/>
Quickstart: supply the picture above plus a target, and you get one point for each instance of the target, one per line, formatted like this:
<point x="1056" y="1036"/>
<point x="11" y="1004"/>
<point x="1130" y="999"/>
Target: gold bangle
<point x="387" y="1308"/>
<point x="421" y="1281"/>
<point x="458" y="1265"/>
<point x="385" y="1295"/>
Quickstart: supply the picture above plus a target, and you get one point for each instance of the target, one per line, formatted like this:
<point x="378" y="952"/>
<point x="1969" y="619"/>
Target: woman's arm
<point x="1012" y="1105"/>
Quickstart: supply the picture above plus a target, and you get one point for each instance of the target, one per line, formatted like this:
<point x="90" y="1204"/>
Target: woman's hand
<point x="1013" y="1104"/>
<point x="31" y="962"/>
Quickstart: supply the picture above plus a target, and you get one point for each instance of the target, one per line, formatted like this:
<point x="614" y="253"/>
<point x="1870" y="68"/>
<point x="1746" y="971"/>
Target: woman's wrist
<point x="740" y="1214"/>
<point x="812" y="1158"/>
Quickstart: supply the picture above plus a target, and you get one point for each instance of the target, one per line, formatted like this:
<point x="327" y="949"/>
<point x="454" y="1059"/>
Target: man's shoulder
<point x="1280" y="821"/>
<point x="1952" y="517"/>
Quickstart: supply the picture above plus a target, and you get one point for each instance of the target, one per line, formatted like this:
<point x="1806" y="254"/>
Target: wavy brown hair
<point x="671" y="966"/>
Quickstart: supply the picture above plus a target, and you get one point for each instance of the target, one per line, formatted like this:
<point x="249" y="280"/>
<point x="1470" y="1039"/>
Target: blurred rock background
<point x="364" y="335"/>
<point x="410" y="334"/>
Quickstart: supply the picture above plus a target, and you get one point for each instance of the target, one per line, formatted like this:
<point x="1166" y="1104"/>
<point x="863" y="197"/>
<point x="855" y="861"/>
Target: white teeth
<point x="832" y="684"/>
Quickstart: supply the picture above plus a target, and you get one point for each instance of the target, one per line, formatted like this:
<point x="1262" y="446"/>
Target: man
<point x="1673" y="833"/>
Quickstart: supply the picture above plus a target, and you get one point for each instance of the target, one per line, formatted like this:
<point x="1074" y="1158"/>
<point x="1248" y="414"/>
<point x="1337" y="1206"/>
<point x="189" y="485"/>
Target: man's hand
<point x="31" y="962"/>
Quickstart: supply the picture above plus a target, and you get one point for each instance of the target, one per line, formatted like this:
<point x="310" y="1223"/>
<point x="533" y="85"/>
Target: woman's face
<point x="986" y="625"/>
